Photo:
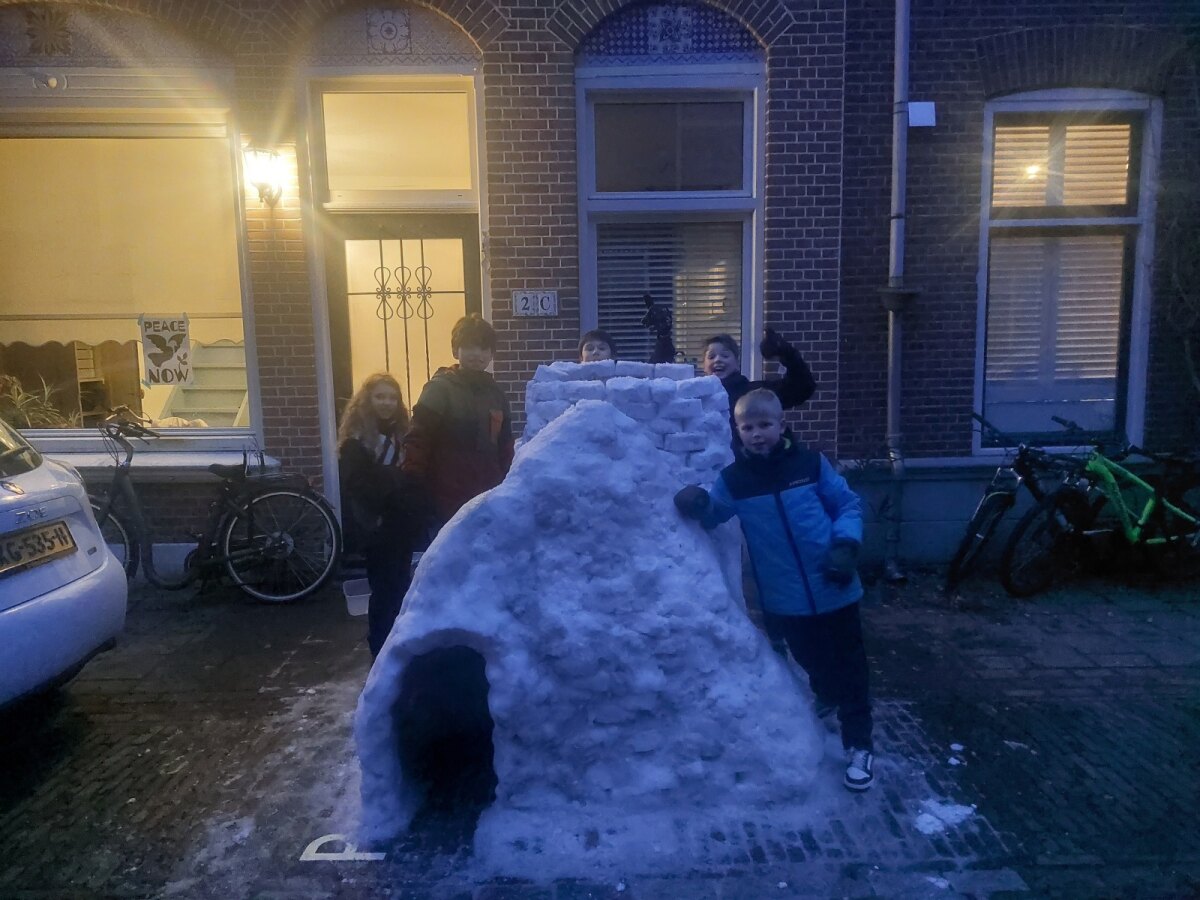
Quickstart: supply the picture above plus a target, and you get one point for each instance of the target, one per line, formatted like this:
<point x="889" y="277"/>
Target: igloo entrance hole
<point x="445" y="733"/>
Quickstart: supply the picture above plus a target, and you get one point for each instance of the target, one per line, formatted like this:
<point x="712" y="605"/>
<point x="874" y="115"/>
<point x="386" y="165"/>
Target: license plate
<point x="34" y="546"/>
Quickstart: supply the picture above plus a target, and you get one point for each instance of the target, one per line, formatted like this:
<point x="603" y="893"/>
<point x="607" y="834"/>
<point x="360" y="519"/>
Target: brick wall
<point x="959" y="53"/>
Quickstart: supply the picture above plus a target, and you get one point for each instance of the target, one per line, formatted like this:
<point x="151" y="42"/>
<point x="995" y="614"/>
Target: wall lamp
<point x="264" y="170"/>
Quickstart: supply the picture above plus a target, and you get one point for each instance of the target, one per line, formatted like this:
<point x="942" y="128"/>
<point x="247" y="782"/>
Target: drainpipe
<point x="896" y="297"/>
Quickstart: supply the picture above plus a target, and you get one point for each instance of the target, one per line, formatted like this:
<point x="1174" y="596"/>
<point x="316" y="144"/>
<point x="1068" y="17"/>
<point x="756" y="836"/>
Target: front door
<point x="397" y="283"/>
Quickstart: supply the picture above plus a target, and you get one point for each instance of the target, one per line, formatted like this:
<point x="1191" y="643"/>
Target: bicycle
<point x="1026" y="468"/>
<point x="1056" y="537"/>
<point x="275" y="537"/>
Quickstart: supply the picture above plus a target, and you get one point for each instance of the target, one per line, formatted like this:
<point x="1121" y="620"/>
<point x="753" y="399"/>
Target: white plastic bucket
<point x="358" y="592"/>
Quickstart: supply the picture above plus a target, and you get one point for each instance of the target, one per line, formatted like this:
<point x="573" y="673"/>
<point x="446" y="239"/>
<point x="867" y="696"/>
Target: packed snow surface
<point x="627" y="687"/>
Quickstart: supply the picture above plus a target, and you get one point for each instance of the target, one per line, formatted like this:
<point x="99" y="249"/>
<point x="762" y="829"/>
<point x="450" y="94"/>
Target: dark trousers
<point x="389" y="571"/>
<point x="829" y="647"/>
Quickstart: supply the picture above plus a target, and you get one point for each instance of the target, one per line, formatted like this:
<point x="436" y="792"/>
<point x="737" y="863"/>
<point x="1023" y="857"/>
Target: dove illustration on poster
<point x="166" y="350"/>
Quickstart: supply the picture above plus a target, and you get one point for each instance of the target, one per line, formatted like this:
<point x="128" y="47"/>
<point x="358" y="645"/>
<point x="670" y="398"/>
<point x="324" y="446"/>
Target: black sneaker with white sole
<point x="859" y="769"/>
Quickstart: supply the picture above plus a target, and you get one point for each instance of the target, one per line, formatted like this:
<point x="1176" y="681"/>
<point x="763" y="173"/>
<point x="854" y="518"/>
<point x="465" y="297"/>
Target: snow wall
<point x="626" y="687"/>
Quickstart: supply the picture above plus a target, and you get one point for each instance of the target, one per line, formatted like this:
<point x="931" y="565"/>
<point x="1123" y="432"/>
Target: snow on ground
<point x="628" y="689"/>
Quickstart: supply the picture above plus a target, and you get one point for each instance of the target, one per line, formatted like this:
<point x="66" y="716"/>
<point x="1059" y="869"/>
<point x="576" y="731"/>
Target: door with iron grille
<point x="396" y="286"/>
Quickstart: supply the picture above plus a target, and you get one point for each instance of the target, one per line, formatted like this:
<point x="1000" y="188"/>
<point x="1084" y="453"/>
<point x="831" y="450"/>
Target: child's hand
<point x="841" y="561"/>
<point x="692" y="501"/>
<point x="773" y="345"/>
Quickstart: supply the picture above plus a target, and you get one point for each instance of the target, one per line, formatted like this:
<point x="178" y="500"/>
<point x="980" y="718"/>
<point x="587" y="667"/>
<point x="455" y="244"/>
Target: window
<point x="1065" y="220"/>
<point x="410" y="143"/>
<point x="670" y="203"/>
<point x="100" y="230"/>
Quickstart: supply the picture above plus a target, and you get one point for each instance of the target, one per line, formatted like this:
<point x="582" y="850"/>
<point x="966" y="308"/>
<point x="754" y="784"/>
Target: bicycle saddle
<point x="229" y="473"/>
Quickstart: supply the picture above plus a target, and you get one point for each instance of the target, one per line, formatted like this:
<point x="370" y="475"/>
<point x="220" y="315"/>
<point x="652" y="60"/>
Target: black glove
<point x="692" y="501"/>
<point x="773" y="346"/>
<point x="840" y="563"/>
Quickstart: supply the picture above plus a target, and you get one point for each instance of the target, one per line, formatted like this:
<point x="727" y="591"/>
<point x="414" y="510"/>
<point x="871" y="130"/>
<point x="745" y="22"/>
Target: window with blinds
<point x="692" y="268"/>
<point x="1057" y="290"/>
<point x="1060" y="163"/>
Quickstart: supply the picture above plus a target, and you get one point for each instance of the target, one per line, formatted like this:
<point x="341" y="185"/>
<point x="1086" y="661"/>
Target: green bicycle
<point x="1101" y="503"/>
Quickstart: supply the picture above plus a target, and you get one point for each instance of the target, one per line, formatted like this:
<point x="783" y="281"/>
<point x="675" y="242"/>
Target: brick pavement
<point x="202" y="756"/>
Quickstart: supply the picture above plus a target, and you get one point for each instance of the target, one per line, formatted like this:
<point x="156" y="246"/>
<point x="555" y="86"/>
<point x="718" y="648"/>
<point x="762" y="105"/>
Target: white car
<point x="62" y="592"/>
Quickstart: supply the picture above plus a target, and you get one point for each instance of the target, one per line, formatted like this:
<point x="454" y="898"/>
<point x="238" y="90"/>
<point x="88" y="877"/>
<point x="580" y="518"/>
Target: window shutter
<point x="695" y="269"/>
<point x="1016" y="289"/>
<point x="1096" y="165"/>
<point x="1020" y="165"/>
<point x="1090" y="286"/>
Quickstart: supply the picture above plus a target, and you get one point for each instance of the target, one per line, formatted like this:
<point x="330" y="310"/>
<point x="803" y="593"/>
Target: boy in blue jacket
<point x="803" y="528"/>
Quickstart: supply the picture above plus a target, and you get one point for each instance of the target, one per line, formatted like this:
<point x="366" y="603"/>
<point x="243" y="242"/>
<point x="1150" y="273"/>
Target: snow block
<point x="624" y="388"/>
<point x="631" y="369"/>
<point x="568" y="369"/>
<point x="549" y="410"/>
<point x="718" y="402"/>
<point x="539" y="391"/>
<point x="597" y="371"/>
<point x="642" y="412"/>
<point x="700" y="387"/>
<point x="583" y="390"/>
<point x="549" y="373"/>
<point x="617" y="672"/>
<point x="662" y="390"/>
<point x="707" y="460"/>
<point x="683" y="409"/>
<point x="685" y="443"/>
<point x="674" y="371"/>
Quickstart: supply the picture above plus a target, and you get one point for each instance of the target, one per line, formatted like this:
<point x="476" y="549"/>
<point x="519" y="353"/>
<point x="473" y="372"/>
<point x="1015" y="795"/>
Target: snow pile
<point x="625" y="683"/>
<point x="937" y="817"/>
<point x="686" y="416"/>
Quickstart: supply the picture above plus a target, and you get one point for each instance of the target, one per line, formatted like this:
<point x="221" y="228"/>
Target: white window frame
<point x="183" y="102"/>
<point x="1066" y="101"/>
<point x="743" y="82"/>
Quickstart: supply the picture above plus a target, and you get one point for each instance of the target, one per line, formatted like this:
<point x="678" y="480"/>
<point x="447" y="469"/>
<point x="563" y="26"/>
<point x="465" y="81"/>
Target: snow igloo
<point x="580" y="649"/>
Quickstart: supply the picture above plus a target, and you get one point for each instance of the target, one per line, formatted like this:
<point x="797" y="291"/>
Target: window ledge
<point x="177" y="466"/>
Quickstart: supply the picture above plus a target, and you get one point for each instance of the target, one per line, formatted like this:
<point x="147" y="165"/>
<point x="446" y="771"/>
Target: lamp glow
<point x="264" y="170"/>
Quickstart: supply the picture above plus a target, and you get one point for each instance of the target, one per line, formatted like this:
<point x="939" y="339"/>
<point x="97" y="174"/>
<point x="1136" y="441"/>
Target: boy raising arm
<point x="803" y="528"/>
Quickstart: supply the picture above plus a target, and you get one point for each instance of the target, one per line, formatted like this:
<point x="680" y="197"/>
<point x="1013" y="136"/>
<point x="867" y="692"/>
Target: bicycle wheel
<point x="116" y="536"/>
<point x="285" y="546"/>
<point x="979" y="531"/>
<point x="1045" y="544"/>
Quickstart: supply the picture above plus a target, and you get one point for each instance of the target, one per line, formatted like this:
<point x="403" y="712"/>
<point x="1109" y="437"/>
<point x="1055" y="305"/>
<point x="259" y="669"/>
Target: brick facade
<point x="961" y="56"/>
<point x="827" y="158"/>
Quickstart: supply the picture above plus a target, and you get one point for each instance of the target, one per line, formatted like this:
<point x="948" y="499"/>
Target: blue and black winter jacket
<point x="792" y="506"/>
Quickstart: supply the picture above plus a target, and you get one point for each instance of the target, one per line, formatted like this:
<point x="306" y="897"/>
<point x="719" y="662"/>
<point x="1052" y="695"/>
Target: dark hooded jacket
<point x="460" y="443"/>
<point x="794" y="388"/>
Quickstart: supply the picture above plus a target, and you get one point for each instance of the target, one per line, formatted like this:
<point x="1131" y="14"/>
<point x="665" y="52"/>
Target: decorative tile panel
<point x="398" y="35"/>
<point x="668" y="33"/>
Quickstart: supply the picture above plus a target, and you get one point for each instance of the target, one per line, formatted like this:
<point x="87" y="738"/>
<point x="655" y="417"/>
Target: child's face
<point x="720" y="361"/>
<point x="594" y="351"/>
<point x="760" y="432"/>
<point x="385" y="401"/>
<point x="476" y="359"/>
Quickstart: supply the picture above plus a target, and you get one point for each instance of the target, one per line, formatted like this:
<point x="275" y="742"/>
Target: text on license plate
<point x="34" y="546"/>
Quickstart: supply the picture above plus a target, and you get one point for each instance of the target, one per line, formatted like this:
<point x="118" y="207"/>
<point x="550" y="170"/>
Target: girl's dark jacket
<point x="460" y="443"/>
<point x="792" y="506"/>
<point x="377" y="494"/>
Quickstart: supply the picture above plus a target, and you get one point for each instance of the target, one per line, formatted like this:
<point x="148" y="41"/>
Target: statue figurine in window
<point x="658" y="320"/>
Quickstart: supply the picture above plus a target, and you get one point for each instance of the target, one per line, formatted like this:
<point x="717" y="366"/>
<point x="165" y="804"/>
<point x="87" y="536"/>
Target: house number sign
<point x="535" y="303"/>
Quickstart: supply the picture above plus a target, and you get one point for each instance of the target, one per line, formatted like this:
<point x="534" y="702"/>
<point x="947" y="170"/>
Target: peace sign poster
<point x="166" y="350"/>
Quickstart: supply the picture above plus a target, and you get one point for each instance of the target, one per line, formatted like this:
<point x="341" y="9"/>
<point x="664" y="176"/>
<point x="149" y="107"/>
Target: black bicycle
<point x="1029" y="466"/>
<point x="273" y="535"/>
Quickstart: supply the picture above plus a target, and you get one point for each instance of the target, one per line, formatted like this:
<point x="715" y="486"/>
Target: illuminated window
<point x="98" y="232"/>
<point x="1064" y="220"/>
